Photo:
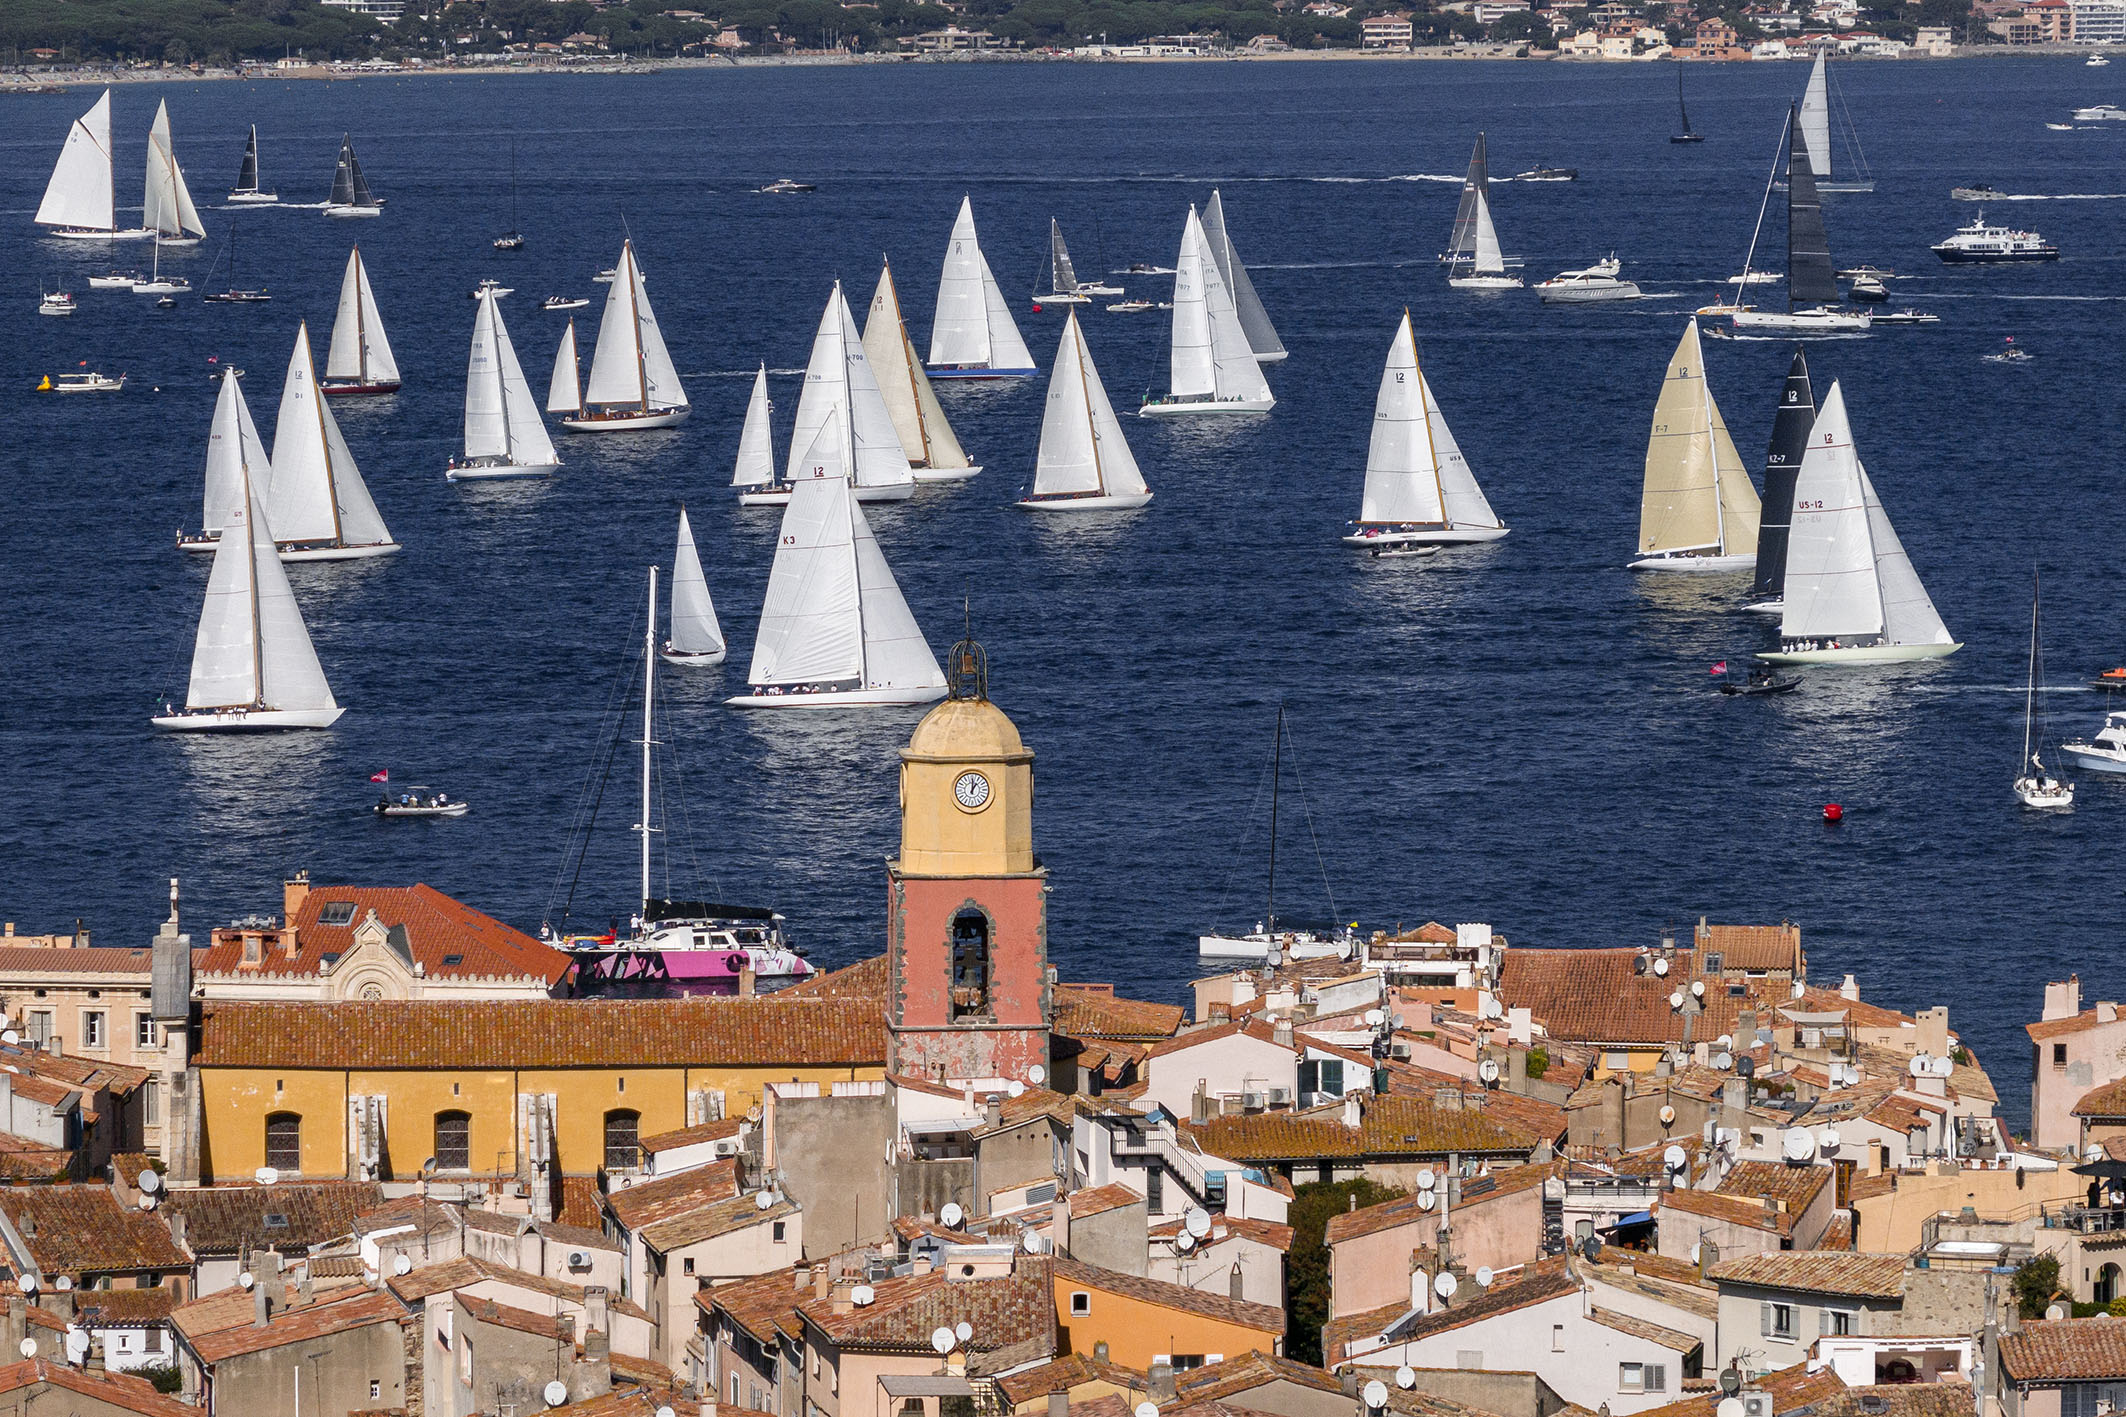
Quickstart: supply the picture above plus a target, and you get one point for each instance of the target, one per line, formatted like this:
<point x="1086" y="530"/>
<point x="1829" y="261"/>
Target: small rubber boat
<point x="784" y="186"/>
<point x="1976" y="192"/>
<point x="2009" y="353"/>
<point x="2110" y="681"/>
<point x="564" y="302"/>
<point x="421" y="802"/>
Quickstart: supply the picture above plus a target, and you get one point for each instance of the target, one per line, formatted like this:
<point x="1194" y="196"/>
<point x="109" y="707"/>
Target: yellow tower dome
<point x="966" y="782"/>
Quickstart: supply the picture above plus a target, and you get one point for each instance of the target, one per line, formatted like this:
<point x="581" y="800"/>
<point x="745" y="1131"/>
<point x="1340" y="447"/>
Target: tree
<point x="2037" y="1279"/>
<point x="1307" y="1273"/>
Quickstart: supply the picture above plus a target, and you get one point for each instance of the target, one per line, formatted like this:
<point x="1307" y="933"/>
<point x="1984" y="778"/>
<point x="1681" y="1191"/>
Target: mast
<point x="2030" y="688"/>
<point x="317" y="395"/>
<point x="1425" y="412"/>
<point x="361" y="329"/>
<point x="642" y="367"/>
<point x="1705" y="397"/>
<point x="649" y="676"/>
<point x="1276" y="776"/>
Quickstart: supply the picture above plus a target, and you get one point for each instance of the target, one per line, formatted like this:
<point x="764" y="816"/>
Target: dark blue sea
<point x="1523" y="734"/>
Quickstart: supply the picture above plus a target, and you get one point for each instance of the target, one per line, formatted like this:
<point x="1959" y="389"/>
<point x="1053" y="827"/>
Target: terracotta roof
<point x="2065" y="1350"/>
<point x="47" y="961"/>
<point x="24" y="1160"/>
<point x="2050" y="1028"/>
<point x="453" y="1275"/>
<point x="487" y="1311"/>
<point x="1070" y="1371"/>
<point x="233" y="1307"/>
<point x="638" y="1402"/>
<point x="356" y="1306"/>
<point x="446" y="938"/>
<point x="1389" y="1126"/>
<point x="1643" y="1328"/>
<point x="1219" y="1382"/>
<point x="1403" y="1210"/>
<point x="706" y="1222"/>
<point x="1338" y="1334"/>
<point x="83" y="1230"/>
<point x="1262" y="1232"/>
<point x="764" y="1305"/>
<point x="1947" y="1397"/>
<point x="866" y="979"/>
<point x="1791" y="1389"/>
<point x="498" y="1223"/>
<point x="1098" y="1200"/>
<point x="1256" y="1029"/>
<point x="1740" y="1197"/>
<point x="230" y="1220"/>
<point x="542" y="1033"/>
<point x="1748" y="947"/>
<point x="117" y="1390"/>
<point x="1093" y="1011"/>
<point x="725" y="1130"/>
<point x="1031" y="1103"/>
<point x="1596" y="996"/>
<point x="906" y="1309"/>
<point x="1534" y="1284"/>
<point x="118" y="1308"/>
<point x="1239" y="1312"/>
<point x="2106" y="1101"/>
<point x="663" y="1197"/>
<point x="581" y="1202"/>
<point x="1672" y="1283"/>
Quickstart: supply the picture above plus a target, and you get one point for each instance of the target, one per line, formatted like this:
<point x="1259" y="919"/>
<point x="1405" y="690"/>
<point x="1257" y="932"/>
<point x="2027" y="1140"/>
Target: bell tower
<point x="967" y="906"/>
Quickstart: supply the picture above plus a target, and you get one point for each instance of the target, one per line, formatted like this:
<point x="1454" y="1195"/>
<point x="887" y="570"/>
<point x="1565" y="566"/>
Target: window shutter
<point x="1823" y="1321"/>
<point x="1768" y="1329"/>
<point x="1657" y="1377"/>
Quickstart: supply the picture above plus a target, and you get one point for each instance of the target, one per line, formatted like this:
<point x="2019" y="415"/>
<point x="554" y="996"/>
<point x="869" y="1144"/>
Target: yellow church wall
<point x="413" y="1099"/>
<point x="235" y="1103"/>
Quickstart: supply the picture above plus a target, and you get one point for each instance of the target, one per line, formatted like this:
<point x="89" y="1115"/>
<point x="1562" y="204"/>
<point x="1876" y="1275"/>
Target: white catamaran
<point x="351" y="196"/>
<point x="633" y="384"/>
<point x="840" y="389"/>
<point x="933" y="450"/>
<point x="696" y="638"/>
<point x="835" y="631"/>
<point x="1254" y="320"/>
<point x="504" y="434"/>
<point x="359" y="360"/>
<point x="1474" y="261"/>
<point x="1213" y="367"/>
<point x="1852" y="596"/>
<point x="1698" y="510"/>
<point x="754" y="473"/>
<point x="253" y="666"/>
<point x="972" y="335"/>
<point x="166" y="204"/>
<point x="1419" y="490"/>
<point x="315" y="499"/>
<point x="246" y="192"/>
<point x="1816" y="133"/>
<point x="1084" y="463"/>
<point x="80" y="203"/>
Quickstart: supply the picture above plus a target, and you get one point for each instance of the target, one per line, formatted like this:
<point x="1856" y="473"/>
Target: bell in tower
<point x="967" y="906"/>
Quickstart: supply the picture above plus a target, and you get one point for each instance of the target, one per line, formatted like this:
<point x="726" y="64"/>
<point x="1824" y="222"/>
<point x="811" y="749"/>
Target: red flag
<point x="384" y="776"/>
<point x="1720" y="668"/>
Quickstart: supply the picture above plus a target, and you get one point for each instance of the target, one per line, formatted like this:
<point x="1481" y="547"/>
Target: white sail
<point x="486" y="416"/>
<point x="235" y="455"/>
<point x="564" y="391"/>
<point x="896" y="656"/>
<point x="1262" y="335"/>
<point x="959" y="330"/>
<point x="631" y="365"/>
<point x="756" y="441"/>
<point x="694" y="627"/>
<point x="359" y="352"/>
<point x="252" y="648"/>
<point x="1490" y="261"/>
<point x="1191" y="373"/>
<point x="1235" y="370"/>
<point x="824" y="399"/>
<point x="1083" y="450"/>
<point x="530" y="445"/>
<point x="1007" y="348"/>
<point x="1402" y="466"/>
<point x="811" y="621"/>
<point x="839" y="387"/>
<point x="1832" y="590"/>
<point x="1816" y="121"/>
<point x="1908" y="613"/>
<point x="1466" y="504"/>
<point x="166" y="203"/>
<point x="79" y="193"/>
<point x="926" y="437"/>
<point x="314" y="492"/>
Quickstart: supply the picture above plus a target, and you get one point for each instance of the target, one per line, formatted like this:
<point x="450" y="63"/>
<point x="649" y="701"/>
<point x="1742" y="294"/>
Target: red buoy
<point x="1832" y="812"/>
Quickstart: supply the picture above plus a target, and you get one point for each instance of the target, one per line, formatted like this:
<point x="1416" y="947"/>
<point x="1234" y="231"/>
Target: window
<point x="1081" y="1304"/>
<point x="144" y="1034"/>
<point x="1184" y="1361"/>
<point x="622" y="1151"/>
<point x="151" y="1102"/>
<point x="1155" y="1188"/>
<point x="778" y="1232"/>
<point x="1839" y="1323"/>
<point x="451" y="961"/>
<point x="686" y="1266"/>
<point x="1642" y="1377"/>
<point x="1778" y="1320"/>
<point x="465" y="1362"/>
<point x="41" y="1027"/>
<point x="1557" y="1338"/>
<point x="376" y="1389"/>
<point x="336" y="912"/>
<point x="1615" y="1061"/>
<point x="453" y="1141"/>
<point x="2059" y="1055"/>
<point x="284" y="1142"/>
<point x="970" y="964"/>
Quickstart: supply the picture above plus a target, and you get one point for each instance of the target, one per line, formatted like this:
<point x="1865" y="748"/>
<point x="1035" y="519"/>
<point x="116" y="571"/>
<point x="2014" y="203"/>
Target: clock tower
<point x="967" y="900"/>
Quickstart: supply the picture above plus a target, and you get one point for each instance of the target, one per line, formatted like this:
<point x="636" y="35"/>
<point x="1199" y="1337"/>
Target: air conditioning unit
<point x="1756" y="1404"/>
<point x="1280" y="1097"/>
<point x="1251" y="1102"/>
<point x="579" y="1259"/>
<point x="1398" y="1050"/>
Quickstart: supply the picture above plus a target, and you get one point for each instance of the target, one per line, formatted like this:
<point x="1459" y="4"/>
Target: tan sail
<point x="1740" y="509"/>
<point x="926" y="437"/>
<point x="1694" y="479"/>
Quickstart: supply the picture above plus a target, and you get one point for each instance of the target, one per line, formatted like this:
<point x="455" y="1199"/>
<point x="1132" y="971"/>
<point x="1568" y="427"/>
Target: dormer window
<point x="336" y="912"/>
<point x="450" y="961"/>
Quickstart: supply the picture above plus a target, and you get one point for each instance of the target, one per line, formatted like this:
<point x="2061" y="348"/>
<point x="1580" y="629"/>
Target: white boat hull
<point x="626" y="422"/>
<point x="500" y="472"/>
<point x="246" y="720"/>
<point x="1804" y="321"/>
<point x="1105" y="502"/>
<point x="843" y="698"/>
<point x="338" y="553"/>
<point x="1425" y="536"/>
<point x="891" y="492"/>
<point x="252" y="199"/>
<point x="2092" y="759"/>
<point x="1485" y="282"/>
<point x="1698" y="565"/>
<point x="1871" y="654"/>
<point x="1766" y="607"/>
<point x="452" y="809"/>
<point x="1186" y="408"/>
<point x="1588" y="294"/>
<point x="977" y="373"/>
<point x="2043" y="795"/>
<point x="73" y="233"/>
<point x="351" y="211"/>
<point x="943" y="474"/>
<point x="695" y="659"/>
<point x="771" y="497"/>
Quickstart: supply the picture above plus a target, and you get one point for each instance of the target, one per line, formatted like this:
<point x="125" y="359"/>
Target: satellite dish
<point x="10" y="1036"/>
<point x="1675" y="1158"/>
<point x="1730" y="1381"/>
<point x="1668" y="1115"/>
<point x="941" y="1340"/>
<point x="1661" y="967"/>
<point x="28" y="1283"/>
<point x="1675" y="999"/>
<point x="245" y="1279"/>
<point x="950" y="1215"/>
<point x="1592" y="1247"/>
<point x="266" y="1175"/>
<point x="1945" y="1067"/>
<point x="63" y="1283"/>
<point x="1746" y="1067"/>
<point x="1724" y="1042"/>
<point x="1426" y="1180"/>
<point x="1483" y="1278"/>
<point x="1799" y="1146"/>
<point x="147" y="1202"/>
<point x="1828" y="1139"/>
<point x="556" y="1393"/>
<point x="963" y="1330"/>
<point x="150" y="1181"/>
<point x="764" y="1200"/>
<point x="1184" y="1242"/>
<point x="1696" y="1251"/>
<point x="402" y="1264"/>
<point x="1015" y="1088"/>
<point x="1800" y="990"/>
<point x="1376" y="1394"/>
<point x="1146" y="1409"/>
<point x="1729" y="1406"/>
<point x="1426" y="1200"/>
<point x="1198" y="1221"/>
<point x="666" y="1412"/>
<point x="1920" y="1066"/>
<point x="1406" y="1377"/>
<point x="77" y="1345"/>
<point x="1488" y="1070"/>
<point x="1037" y="1074"/>
<point x="1697" y="988"/>
<point x="1375" y="1018"/>
<point x="1444" y="1284"/>
<point x="1034" y="1242"/>
<point x="28" y="1348"/>
<point x="1723" y="1060"/>
<point x="862" y="1295"/>
<point x="2054" y="1312"/>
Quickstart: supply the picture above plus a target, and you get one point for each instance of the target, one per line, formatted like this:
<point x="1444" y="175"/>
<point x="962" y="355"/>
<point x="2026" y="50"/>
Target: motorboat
<point x="2010" y="353"/>
<point x="1980" y="244"/>
<point x="55" y="302"/>
<point x="1868" y="288"/>
<point x="1906" y="316"/>
<point x="1598" y="282"/>
<point x="564" y="302"/>
<point x="1146" y="268"/>
<point x="1977" y="192"/>
<point x="2105" y="750"/>
<point x="2110" y="681"/>
<point x="1399" y="550"/>
<point x="1131" y="307"/>
<point x="784" y="187"/>
<point x="81" y="383"/>
<point x="509" y="241"/>
<point x="493" y="287"/>
<point x="2100" y="113"/>
<point x="421" y="802"/>
<point x="1760" y="681"/>
<point x="2096" y="61"/>
<point x="1757" y="278"/>
<point x="2061" y="127"/>
<point x="236" y="297"/>
<point x="604" y="277"/>
<point x="116" y="280"/>
<point x="1547" y="174"/>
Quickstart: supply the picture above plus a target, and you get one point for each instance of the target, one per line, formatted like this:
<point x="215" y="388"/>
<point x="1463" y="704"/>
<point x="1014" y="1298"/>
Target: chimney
<point x="177" y="1226"/>
<point x="1281" y="1035"/>
<point x="2064" y="999"/>
<point x="289" y="948"/>
<point x="261" y="1306"/>
<point x="1354" y="1111"/>
<point x="843" y="1288"/>
<point x="1849" y="989"/>
<point x="597" y="1310"/>
<point x="746" y="982"/>
<point x="1236" y="1285"/>
<point x="1059" y="1224"/>
<point x="804" y="1276"/>
<point x="1059" y="1404"/>
<point x="18" y="1323"/>
<point x="1200" y="1104"/>
<point x="2107" y="1012"/>
<point x="1161" y="1385"/>
<point x="993" y="1112"/>
<point x="820" y="1283"/>
<point x="293" y="893"/>
<point x="708" y="1407"/>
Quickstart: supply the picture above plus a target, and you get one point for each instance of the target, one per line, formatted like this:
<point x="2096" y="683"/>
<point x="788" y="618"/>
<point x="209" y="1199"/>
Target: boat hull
<point x="693" y="659"/>
<point x="2092" y="760"/>
<point x="500" y="472"/>
<point x="76" y="233"/>
<point x="1485" y="282"/>
<point x="2044" y="794"/>
<point x="770" y="498"/>
<point x="352" y="211"/>
<point x="1804" y="321"/>
<point x="1425" y="536"/>
<point x="338" y="553"/>
<point x="1954" y="257"/>
<point x="954" y="372"/>
<point x="1865" y="185"/>
<point x="1871" y="654"/>
<point x="841" y="698"/>
<point x="626" y="422"/>
<point x="246" y="720"/>
<point x="891" y="492"/>
<point x="1697" y="565"/>
<point x="1188" y="408"/>
<point x="454" y="809"/>
<point x="1102" y="502"/>
<point x="1774" y="606"/>
<point x="943" y="474"/>
<point x="252" y="199"/>
<point x="346" y="390"/>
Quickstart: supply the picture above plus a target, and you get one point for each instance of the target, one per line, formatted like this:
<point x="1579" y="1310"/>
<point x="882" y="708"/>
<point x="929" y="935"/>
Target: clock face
<point x="971" y="791"/>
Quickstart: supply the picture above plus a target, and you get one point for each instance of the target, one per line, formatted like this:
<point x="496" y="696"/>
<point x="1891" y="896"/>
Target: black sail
<point x="343" y="176"/>
<point x="1462" y="244"/>
<point x="1809" y="276"/>
<point x="247" y="175"/>
<point x="1782" y="465"/>
<point x="364" y="198"/>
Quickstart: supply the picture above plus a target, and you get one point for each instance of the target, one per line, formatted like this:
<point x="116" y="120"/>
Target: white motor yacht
<point x="1979" y="243"/>
<point x="1597" y="282"/>
<point x="2099" y="113"/>
<point x="2106" y="751"/>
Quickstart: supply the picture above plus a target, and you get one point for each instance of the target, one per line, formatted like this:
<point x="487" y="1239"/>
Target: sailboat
<point x="253" y="666"/>
<point x="504" y="434"/>
<point x="1062" y="275"/>
<point x="840" y="389"/>
<point x="835" y="631"/>
<point x="512" y="239"/>
<point x="79" y="201"/>
<point x="1687" y="135"/>
<point x="236" y="458"/>
<point x="754" y="473"/>
<point x="1294" y="942"/>
<point x="633" y="384"/>
<point x="166" y="206"/>
<point x="696" y="638"/>
<point x="359" y="361"/>
<point x="1084" y="463"/>
<point x="1213" y="368"/>
<point x="1474" y="261"/>
<point x="1852" y="596"/>
<point x="972" y="335"/>
<point x="1697" y="511"/>
<point x="1816" y="133"/>
<point x="1811" y="280"/>
<point x="351" y="196"/>
<point x="1254" y="320"/>
<point x="1782" y="464"/>
<point x="157" y="283"/>
<point x="934" y="452"/>
<point x="564" y="389"/>
<point x="1419" y="490"/>
<point x="246" y="191"/>
<point x="235" y="294"/>
<point x="315" y="499"/>
<point x="2034" y="784"/>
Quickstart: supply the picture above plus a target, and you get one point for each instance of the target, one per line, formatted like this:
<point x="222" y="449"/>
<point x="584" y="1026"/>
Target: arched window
<point x="453" y="1141"/>
<point x="970" y="964"/>
<point x="284" y="1142"/>
<point x="623" y="1151"/>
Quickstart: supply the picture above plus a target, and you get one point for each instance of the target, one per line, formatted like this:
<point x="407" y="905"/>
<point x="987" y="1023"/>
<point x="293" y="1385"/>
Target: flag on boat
<point x="1720" y="668"/>
<point x="384" y="776"/>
